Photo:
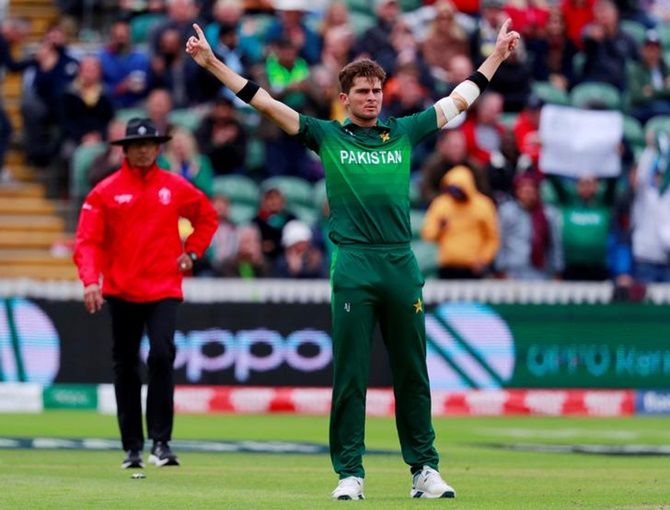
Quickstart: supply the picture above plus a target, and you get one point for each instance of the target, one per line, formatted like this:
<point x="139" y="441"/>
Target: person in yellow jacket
<point x="463" y="222"/>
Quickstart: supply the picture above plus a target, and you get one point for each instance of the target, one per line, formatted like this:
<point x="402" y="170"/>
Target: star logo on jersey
<point x="385" y="136"/>
<point x="418" y="306"/>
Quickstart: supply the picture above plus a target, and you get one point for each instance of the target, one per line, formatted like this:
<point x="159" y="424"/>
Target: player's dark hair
<point x="363" y="68"/>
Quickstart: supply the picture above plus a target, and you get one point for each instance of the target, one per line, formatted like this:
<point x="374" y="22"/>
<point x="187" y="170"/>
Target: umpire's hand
<point x="93" y="298"/>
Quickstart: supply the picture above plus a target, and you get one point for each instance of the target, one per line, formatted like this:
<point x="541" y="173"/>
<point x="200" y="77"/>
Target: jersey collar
<point x="379" y="126"/>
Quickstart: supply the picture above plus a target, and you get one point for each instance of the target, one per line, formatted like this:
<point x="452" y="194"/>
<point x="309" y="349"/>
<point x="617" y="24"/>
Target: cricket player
<point x="374" y="275"/>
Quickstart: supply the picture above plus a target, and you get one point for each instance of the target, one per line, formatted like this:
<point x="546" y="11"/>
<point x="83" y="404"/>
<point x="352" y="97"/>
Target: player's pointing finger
<point x="198" y="31"/>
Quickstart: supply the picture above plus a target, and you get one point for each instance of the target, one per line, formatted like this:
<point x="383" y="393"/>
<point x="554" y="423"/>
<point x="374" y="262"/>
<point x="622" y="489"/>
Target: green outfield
<point x="485" y="477"/>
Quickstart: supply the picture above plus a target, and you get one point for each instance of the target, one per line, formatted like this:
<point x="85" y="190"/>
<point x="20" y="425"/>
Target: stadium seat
<point x="295" y="189"/>
<point x="141" y="25"/>
<point x="632" y="131"/>
<point x="125" y="114"/>
<point x="508" y="119"/>
<point x="416" y="222"/>
<point x="79" y="165"/>
<point x="663" y="31"/>
<point x="319" y="193"/>
<point x="426" y="257"/>
<point x="255" y="155"/>
<point x="360" y="6"/>
<point x="240" y="214"/>
<point x="549" y="93"/>
<point x="633" y="28"/>
<point x="186" y="118"/>
<point x="660" y="122"/>
<point x="239" y="189"/>
<point x="360" y="22"/>
<point x="595" y="94"/>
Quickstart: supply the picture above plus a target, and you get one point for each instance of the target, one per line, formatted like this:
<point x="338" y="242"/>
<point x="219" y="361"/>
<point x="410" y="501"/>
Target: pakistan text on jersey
<point x="370" y="157"/>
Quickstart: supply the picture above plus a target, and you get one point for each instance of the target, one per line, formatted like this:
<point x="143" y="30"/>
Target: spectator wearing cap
<point x="483" y="38"/>
<point x="300" y="258"/>
<point x="649" y="81"/>
<point x="129" y="253"/>
<point x="222" y="138"/>
<point x="290" y="25"/>
<point x="607" y="48"/>
<point x="271" y="218"/>
<point x="530" y="234"/>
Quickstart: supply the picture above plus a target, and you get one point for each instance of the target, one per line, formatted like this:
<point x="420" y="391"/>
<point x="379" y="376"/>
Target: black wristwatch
<point x="192" y="256"/>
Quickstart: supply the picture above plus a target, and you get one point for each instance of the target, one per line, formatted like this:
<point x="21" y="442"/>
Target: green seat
<point x="658" y="123"/>
<point x="416" y="217"/>
<point x="255" y="155"/>
<point x="632" y="131"/>
<point x="550" y="94"/>
<point x="239" y="189"/>
<point x="594" y="94"/>
<point x="360" y="22"/>
<point x="125" y="114"/>
<point x="426" y="257"/>
<point x="240" y="214"/>
<point x="185" y="118"/>
<point x="308" y="215"/>
<point x="295" y="189"/>
<point x="548" y="193"/>
<point x="358" y="6"/>
<point x="508" y="119"/>
<point x="319" y="193"/>
<point x="80" y="163"/>
<point x="663" y="31"/>
<point x="141" y="25"/>
<point x="633" y="28"/>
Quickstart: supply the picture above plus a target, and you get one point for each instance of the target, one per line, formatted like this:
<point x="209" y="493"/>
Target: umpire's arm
<point x="284" y="116"/>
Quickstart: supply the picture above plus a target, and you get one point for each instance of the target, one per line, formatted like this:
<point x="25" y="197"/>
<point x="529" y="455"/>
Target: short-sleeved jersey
<point x="367" y="174"/>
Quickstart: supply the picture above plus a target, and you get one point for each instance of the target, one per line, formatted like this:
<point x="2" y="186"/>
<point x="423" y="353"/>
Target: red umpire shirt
<point x="128" y="232"/>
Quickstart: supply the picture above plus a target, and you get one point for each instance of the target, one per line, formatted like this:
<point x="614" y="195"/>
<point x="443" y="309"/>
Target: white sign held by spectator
<point x="578" y="142"/>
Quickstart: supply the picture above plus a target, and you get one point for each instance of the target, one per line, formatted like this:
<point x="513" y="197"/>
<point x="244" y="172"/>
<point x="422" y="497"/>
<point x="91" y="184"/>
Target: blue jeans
<point x="651" y="272"/>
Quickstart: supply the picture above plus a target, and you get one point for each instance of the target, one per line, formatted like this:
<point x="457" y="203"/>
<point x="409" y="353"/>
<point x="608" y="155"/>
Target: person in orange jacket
<point x="129" y="252"/>
<point x="463" y="222"/>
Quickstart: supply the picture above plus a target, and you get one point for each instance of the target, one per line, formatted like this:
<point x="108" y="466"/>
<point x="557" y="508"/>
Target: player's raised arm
<point x="282" y="115"/>
<point x="462" y="97"/>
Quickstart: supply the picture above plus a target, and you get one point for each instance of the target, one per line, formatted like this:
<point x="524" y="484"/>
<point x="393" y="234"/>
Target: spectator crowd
<point x="488" y="198"/>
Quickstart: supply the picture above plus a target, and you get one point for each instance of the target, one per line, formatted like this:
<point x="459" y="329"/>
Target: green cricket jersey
<point x="367" y="174"/>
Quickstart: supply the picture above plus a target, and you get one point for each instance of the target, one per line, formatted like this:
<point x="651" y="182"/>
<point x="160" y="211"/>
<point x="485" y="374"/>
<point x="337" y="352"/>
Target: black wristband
<point x="248" y="92"/>
<point x="480" y="80"/>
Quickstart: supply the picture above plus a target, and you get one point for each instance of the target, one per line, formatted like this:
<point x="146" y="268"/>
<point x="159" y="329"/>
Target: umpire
<point x="129" y="252"/>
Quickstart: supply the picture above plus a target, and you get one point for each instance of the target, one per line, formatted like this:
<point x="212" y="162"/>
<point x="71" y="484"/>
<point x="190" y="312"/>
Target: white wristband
<point x="448" y="107"/>
<point x="468" y="91"/>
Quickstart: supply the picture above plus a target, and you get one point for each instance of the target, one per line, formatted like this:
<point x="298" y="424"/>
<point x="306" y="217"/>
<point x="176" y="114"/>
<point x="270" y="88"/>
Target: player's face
<point x="142" y="154"/>
<point x="364" y="100"/>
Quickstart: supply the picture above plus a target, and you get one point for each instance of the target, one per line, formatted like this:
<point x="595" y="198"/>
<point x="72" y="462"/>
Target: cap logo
<point x="141" y="130"/>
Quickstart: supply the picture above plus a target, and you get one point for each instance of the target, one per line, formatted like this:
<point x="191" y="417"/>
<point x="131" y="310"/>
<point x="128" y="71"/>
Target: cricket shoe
<point x="161" y="455"/>
<point x="428" y="483"/>
<point x="132" y="460"/>
<point x="350" y="487"/>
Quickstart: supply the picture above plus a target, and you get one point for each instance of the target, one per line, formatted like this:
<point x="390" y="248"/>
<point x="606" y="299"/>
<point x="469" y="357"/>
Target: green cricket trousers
<point x="370" y="284"/>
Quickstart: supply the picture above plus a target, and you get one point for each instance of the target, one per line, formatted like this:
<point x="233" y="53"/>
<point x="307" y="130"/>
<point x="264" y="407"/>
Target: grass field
<point x="484" y="477"/>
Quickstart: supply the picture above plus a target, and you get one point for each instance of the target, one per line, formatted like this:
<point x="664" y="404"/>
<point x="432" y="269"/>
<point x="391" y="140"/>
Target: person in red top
<point x="129" y="252"/>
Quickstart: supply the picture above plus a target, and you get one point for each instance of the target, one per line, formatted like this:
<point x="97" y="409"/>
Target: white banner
<point x="578" y="142"/>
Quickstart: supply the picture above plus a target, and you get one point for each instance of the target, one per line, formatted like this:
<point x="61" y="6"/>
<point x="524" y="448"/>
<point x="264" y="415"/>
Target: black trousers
<point x="129" y="322"/>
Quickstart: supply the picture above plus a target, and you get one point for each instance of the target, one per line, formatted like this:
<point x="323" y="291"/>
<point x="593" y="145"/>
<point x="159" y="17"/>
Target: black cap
<point x="140" y="130"/>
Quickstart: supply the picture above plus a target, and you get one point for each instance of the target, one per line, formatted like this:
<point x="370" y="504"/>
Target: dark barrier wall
<point x="469" y="345"/>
